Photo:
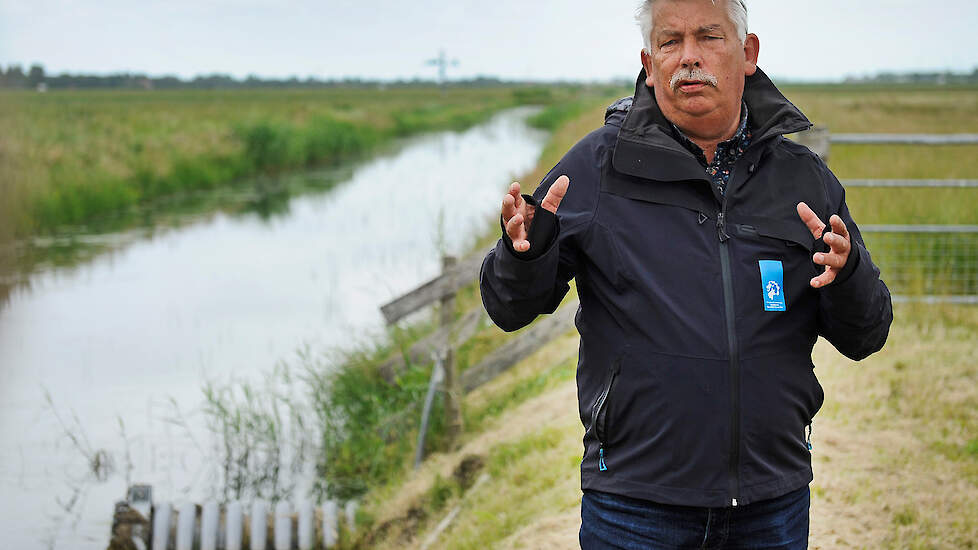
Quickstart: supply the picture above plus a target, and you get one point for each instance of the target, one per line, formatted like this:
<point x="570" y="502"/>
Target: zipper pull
<point x="722" y="228"/>
<point x="734" y="503"/>
<point x="601" y="465"/>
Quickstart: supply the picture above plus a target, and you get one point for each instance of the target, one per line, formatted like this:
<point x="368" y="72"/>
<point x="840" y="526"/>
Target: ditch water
<point x="134" y="333"/>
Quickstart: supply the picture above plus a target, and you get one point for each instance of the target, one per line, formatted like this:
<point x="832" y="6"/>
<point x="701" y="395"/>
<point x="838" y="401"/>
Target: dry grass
<point x="889" y="109"/>
<point x="896" y="454"/>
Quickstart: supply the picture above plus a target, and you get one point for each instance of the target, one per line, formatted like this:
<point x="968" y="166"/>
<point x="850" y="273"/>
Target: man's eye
<point x="714" y="38"/>
<point x="669" y="43"/>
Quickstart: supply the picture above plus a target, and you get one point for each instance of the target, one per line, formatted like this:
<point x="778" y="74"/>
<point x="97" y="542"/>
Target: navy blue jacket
<point x="697" y="320"/>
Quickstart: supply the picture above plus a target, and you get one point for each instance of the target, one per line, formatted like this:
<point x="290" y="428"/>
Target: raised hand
<point x="837" y="239"/>
<point x="518" y="215"/>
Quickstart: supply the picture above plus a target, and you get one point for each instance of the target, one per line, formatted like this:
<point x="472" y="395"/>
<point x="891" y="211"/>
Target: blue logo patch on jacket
<point x="772" y="285"/>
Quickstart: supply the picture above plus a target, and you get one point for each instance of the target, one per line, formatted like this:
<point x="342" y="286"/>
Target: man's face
<point x="698" y="62"/>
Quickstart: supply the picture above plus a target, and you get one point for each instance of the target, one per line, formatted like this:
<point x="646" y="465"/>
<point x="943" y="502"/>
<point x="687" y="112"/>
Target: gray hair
<point x="736" y="9"/>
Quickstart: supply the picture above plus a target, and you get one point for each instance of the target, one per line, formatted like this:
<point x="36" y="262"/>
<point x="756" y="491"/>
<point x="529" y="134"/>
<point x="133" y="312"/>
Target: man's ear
<point x="647" y="63"/>
<point x="752" y="47"/>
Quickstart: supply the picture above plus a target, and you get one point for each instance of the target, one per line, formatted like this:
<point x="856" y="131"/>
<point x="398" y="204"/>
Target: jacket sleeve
<point x="516" y="287"/>
<point x="854" y="311"/>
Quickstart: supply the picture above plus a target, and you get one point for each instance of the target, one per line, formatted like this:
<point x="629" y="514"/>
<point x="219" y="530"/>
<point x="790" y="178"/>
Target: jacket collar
<point x="645" y="128"/>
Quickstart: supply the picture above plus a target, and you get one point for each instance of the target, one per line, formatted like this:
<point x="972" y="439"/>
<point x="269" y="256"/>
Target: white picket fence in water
<point x="257" y="525"/>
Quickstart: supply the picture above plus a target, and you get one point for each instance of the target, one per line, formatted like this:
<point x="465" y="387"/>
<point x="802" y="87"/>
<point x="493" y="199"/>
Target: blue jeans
<point x="614" y="521"/>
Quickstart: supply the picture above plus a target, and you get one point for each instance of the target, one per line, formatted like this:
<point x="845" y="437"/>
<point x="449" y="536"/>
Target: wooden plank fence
<point x="531" y="339"/>
<point x="451" y="333"/>
<point x="445" y="285"/>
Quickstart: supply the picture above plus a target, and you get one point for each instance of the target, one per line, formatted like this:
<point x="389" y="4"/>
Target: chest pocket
<point x="692" y="195"/>
<point x="774" y="239"/>
<point x="791" y="234"/>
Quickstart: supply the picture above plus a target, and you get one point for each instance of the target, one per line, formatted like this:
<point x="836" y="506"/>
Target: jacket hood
<point x="771" y="114"/>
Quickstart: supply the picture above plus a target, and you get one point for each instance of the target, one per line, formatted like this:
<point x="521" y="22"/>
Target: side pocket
<point x="599" y="414"/>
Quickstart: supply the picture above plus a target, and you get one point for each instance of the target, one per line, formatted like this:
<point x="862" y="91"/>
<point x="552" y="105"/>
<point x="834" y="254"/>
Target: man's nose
<point x="692" y="56"/>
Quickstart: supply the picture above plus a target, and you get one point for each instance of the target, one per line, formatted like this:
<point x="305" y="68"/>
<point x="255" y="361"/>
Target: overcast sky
<point x="521" y="39"/>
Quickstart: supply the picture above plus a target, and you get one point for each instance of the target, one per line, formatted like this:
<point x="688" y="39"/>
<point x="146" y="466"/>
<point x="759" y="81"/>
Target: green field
<point x="83" y="158"/>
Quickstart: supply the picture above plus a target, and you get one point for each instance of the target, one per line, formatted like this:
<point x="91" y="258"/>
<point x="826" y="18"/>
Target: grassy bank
<point x="76" y="158"/>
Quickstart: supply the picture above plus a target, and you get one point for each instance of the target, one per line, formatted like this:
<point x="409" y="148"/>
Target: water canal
<point x="132" y="334"/>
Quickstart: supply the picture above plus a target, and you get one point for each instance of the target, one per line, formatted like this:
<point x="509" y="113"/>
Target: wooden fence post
<point x="453" y="394"/>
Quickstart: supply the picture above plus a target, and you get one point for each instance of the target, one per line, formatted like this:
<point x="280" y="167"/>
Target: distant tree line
<point x="13" y="76"/>
<point x="918" y="78"/>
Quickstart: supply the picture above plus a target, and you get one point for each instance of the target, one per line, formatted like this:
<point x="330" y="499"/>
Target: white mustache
<point x="695" y="74"/>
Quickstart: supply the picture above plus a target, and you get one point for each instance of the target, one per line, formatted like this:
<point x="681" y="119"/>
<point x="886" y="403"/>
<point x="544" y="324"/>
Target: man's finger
<point x="514" y="227"/>
<point x="556" y="194"/>
<point x="824" y="278"/>
<point x="839" y="226"/>
<point x="509" y="207"/>
<point x="837" y="261"/>
<point x="517" y="233"/>
<point x="521" y="246"/>
<point x="811" y="220"/>
<point x="838" y="243"/>
<point x="514" y="190"/>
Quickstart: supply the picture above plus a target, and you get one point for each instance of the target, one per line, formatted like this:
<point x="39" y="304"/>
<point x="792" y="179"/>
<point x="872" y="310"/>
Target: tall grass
<point x="335" y="412"/>
<point x="72" y="158"/>
<point x="261" y="436"/>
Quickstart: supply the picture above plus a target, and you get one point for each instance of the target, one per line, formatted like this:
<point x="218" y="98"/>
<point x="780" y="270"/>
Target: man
<point x="710" y="253"/>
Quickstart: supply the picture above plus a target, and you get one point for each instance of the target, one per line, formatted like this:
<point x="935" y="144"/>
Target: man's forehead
<point x="666" y="29"/>
<point x="681" y="15"/>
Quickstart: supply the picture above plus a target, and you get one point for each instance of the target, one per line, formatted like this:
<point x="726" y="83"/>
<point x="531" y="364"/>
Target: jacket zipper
<point x="596" y="414"/>
<point x="728" y="304"/>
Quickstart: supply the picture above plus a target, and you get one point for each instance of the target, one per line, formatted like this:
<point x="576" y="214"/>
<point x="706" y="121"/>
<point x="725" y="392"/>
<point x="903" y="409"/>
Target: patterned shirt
<point x="728" y="152"/>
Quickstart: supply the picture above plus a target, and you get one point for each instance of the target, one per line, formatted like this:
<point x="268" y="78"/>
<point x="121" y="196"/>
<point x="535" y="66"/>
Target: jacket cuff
<point x="543" y="232"/>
